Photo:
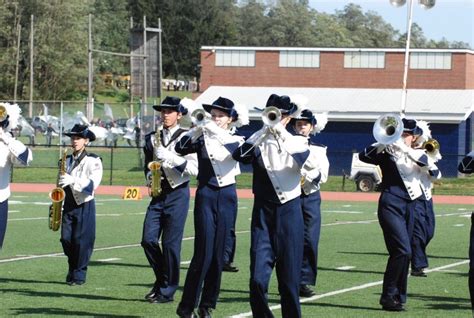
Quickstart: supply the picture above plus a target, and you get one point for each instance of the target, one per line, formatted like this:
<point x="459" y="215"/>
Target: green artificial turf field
<point x="352" y="260"/>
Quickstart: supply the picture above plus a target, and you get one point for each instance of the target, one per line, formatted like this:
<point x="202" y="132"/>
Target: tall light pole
<point x="425" y="4"/>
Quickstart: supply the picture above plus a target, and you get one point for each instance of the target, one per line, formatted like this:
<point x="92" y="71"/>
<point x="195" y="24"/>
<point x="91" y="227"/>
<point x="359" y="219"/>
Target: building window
<point x="430" y="61"/>
<point x="238" y="58"/>
<point x="364" y="59"/>
<point x="299" y="59"/>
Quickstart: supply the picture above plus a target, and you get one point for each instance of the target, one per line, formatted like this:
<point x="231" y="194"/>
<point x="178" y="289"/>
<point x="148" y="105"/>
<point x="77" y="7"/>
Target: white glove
<point x="5" y="136"/>
<point x="280" y="131"/>
<point x="65" y="180"/>
<point x="195" y="133"/>
<point x="310" y="175"/>
<point x="401" y="146"/>
<point x="162" y="153"/>
<point x="212" y="128"/>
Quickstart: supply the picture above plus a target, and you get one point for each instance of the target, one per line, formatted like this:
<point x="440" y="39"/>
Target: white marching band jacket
<point x="13" y="153"/>
<point x="220" y="144"/>
<point x="87" y="176"/>
<point x="409" y="163"/>
<point x="284" y="156"/>
<point x="176" y="168"/>
<point x="319" y="174"/>
<point x="427" y="175"/>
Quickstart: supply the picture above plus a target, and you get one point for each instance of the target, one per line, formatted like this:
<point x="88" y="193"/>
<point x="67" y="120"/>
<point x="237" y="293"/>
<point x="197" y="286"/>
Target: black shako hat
<point x="171" y="102"/>
<point x="283" y="103"/>
<point x="307" y="115"/>
<point x="223" y="104"/>
<point x="410" y="127"/>
<point x="81" y="131"/>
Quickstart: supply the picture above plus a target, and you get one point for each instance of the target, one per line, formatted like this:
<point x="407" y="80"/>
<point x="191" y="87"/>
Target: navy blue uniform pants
<point x="3" y="220"/>
<point x="230" y="240"/>
<point x="395" y="216"/>
<point x="78" y="237"/>
<point x="311" y="208"/>
<point x="423" y="232"/>
<point x="471" y="262"/>
<point x="165" y="218"/>
<point x="210" y="225"/>
<point x="276" y="240"/>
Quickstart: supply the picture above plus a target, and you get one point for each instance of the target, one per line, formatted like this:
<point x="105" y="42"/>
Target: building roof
<point x="355" y="104"/>
<point x="332" y="49"/>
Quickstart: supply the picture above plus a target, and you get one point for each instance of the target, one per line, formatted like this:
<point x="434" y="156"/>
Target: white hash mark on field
<point x="345" y="268"/>
<point x="346" y="290"/>
<point x="109" y="259"/>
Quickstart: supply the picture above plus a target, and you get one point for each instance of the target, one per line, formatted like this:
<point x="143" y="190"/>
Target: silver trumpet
<point x="199" y="117"/>
<point x="271" y="116"/>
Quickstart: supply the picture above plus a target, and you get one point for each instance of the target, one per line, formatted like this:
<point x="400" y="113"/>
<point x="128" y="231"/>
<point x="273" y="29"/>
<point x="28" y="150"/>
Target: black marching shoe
<point x="160" y="299"/>
<point x="204" y="312"/>
<point x="418" y="272"/>
<point x="391" y="305"/>
<point x="230" y="268"/>
<point x="151" y="294"/>
<point x="185" y="314"/>
<point x="305" y="291"/>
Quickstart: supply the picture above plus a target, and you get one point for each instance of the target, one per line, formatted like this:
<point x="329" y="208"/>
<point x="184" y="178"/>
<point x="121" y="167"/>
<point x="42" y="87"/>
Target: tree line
<point x="61" y="36"/>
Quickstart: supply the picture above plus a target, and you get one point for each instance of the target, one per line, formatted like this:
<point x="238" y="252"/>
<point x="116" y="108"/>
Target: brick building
<point x="355" y="86"/>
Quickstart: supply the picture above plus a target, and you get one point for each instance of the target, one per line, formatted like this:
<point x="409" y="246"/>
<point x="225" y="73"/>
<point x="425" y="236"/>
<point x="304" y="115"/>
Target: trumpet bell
<point x="431" y="146"/>
<point x="271" y="116"/>
<point x="388" y="129"/>
<point x="3" y="113"/>
<point x="198" y="116"/>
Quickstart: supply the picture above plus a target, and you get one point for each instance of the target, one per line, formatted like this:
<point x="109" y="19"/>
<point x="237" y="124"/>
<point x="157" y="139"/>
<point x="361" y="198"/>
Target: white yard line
<point x="29" y="257"/>
<point x="346" y="290"/>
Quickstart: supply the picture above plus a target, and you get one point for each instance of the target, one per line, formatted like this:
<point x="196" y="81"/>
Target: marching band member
<point x="467" y="166"/>
<point x="215" y="204"/>
<point x="166" y="214"/>
<point x="424" y="217"/>
<point x="400" y="189"/>
<point x="12" y="152"/>
<point x="83" y="176"/>
<point x="308" y="125"/>
<point x="277" y="221"/>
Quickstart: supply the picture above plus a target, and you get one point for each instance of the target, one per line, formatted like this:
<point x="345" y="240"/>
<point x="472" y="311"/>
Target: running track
<point x="246" y="193"/>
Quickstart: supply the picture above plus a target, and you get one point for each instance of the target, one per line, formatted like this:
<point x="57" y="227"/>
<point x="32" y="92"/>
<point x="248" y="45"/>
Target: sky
<point x="452" y="19"/>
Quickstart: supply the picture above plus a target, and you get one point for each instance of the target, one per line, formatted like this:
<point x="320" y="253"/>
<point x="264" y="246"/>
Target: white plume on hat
<point x="13" y="112"/>
<point x="301" y="103"/>
<point x="321" y="121"/>
<point x="243" y="115"/>
<point x="425" y="127"/>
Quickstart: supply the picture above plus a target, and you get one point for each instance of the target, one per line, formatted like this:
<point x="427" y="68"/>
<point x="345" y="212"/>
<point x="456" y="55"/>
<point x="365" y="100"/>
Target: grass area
<point x="119" y="275"/>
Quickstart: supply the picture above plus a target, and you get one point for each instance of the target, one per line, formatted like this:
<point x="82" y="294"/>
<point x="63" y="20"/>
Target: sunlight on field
<point x="351" y="264"/>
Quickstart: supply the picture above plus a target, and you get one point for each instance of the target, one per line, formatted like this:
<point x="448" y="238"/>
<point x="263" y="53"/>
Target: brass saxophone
<point x="155" y="168"/>
<point x="57" y="196"/>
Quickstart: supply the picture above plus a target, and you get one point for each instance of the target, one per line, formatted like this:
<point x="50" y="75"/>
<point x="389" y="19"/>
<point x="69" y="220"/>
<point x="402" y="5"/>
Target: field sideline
<point x="351" y="263"/>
